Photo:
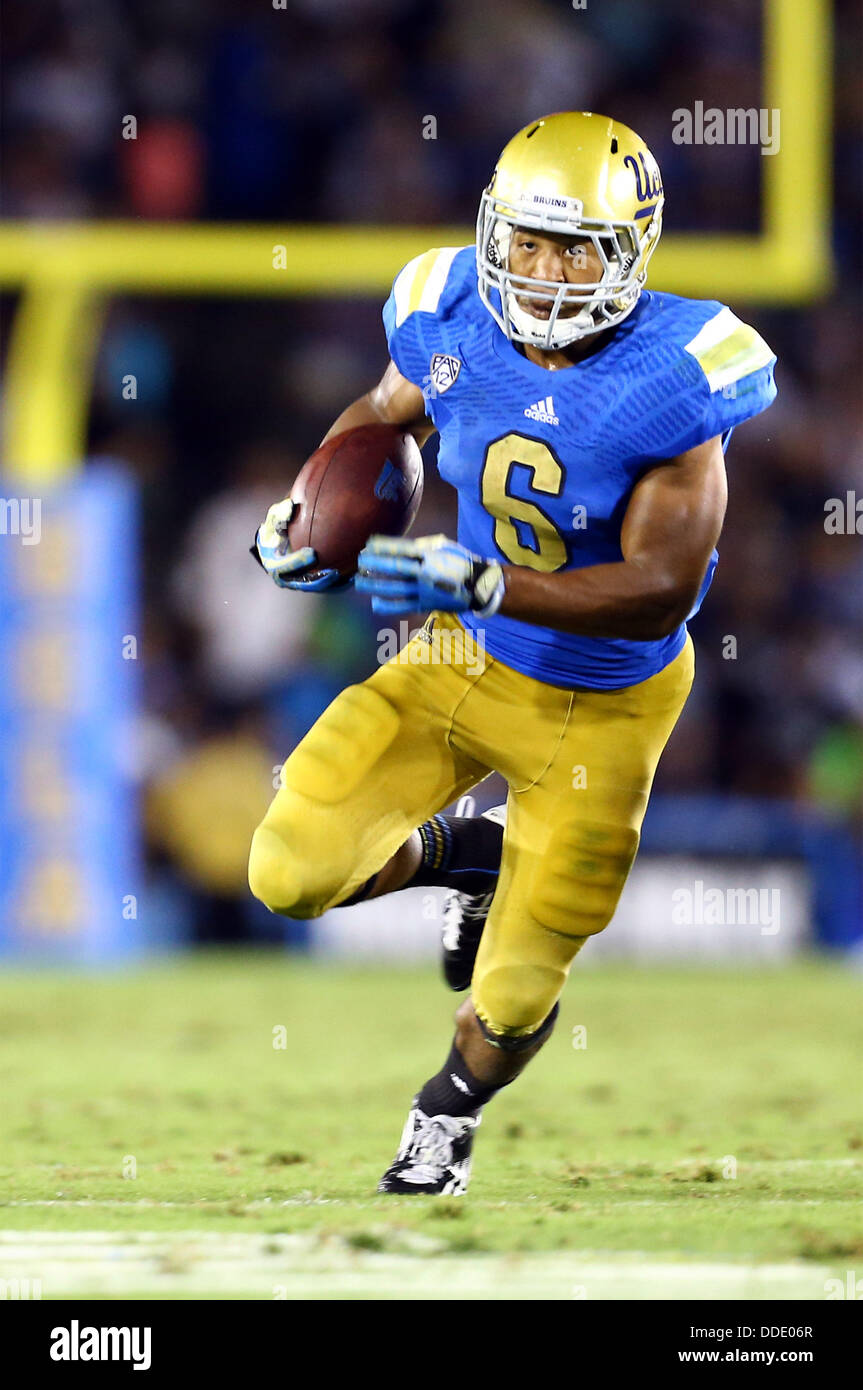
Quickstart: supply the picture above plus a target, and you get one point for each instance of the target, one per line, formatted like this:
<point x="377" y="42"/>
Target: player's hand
<point x="290" y="569"/>
<point x="405" y="576"/>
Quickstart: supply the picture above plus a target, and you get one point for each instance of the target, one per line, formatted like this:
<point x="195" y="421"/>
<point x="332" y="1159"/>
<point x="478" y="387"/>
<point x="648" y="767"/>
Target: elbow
<point x="668" y="608"/>
<point x="665" y="627"/>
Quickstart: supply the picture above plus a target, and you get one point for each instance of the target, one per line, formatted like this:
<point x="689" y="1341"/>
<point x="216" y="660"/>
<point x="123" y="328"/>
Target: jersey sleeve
<point x="420" y="293"/>
<point x="723" y="376"/>
<point x="738" y="368"/>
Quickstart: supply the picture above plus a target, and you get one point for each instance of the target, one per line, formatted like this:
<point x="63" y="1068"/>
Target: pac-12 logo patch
<point x="443" y="371"/>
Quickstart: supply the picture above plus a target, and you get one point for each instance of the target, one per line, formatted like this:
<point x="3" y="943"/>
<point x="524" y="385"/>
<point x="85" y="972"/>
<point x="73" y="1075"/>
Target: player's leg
<point x="570" y="843"/>
<point x="375" y="765"/>
<point x="459" y="853"/>
<point x="571" y="837"/>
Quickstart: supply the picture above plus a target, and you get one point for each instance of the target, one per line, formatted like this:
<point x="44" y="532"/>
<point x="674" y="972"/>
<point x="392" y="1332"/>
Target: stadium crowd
<point x="319" y="110"/>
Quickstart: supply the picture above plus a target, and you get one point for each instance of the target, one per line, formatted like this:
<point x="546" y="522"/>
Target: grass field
<point x="706" y="1142"/>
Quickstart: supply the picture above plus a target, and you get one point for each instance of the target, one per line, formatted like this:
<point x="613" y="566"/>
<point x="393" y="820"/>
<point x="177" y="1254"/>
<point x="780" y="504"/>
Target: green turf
<point x="623" y="1146"/>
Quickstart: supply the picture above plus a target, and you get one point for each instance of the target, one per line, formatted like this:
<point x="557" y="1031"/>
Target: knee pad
<point x="275" y="873"/>
<point x="301" y="856"/>
<point x="271" y="877"/>
<point x="292" y="871"/>
<point x="340" y="750"/>
<point x="581" y="876"/>
<point x="512" y="1002"/>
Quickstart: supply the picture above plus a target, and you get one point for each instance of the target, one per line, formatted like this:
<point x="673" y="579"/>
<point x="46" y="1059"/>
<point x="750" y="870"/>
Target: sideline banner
<point x="68" y="693"/>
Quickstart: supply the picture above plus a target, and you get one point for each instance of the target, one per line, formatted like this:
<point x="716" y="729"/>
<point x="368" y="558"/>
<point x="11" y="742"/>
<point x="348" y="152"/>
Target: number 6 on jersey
<point x="513" y="514"/>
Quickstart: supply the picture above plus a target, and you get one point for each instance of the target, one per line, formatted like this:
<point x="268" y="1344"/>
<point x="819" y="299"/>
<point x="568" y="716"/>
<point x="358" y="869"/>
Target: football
<point x="366" y="481"/>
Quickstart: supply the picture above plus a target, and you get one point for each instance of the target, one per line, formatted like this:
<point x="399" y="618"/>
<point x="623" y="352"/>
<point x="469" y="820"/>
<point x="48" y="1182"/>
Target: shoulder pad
<point x="726" y="349"/>
<point x="420" y="286"/>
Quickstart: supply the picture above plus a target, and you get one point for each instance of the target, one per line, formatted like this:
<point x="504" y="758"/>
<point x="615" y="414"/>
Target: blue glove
<point x="405" y="576"/>
<point x="289" y="568"/>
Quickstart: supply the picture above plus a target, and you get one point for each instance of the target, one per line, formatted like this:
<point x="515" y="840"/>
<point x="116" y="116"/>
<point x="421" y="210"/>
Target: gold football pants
<point x="432" y="722"/>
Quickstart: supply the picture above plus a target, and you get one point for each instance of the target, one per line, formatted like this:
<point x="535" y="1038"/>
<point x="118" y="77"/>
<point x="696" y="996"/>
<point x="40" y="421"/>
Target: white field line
<point x="600" y="1171"/>
<point x="70" y="1264"/>
<point x="148" y="1203"/>
<point x="745" y="1163"/>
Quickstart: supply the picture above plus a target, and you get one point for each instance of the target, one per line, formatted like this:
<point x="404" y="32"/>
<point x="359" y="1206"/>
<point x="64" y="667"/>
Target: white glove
<point x="285" y="566"/>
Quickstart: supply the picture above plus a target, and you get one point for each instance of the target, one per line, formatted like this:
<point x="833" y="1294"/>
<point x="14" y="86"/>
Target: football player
<point x="583" y="422"/>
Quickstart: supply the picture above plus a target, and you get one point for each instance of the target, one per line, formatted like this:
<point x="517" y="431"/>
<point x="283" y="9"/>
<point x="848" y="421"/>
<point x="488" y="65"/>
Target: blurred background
<point x="155" y="679"/>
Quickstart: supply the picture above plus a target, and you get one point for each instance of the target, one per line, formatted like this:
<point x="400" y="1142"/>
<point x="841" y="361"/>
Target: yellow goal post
<point x="65" y="271"/>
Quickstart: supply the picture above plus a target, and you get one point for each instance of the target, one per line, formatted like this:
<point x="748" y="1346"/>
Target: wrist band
<point x="489" y="589"/>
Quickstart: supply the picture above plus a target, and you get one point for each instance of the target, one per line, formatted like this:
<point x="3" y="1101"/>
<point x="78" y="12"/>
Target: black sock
<point x="460" y="852"/>
<point x="454" y="1090"/>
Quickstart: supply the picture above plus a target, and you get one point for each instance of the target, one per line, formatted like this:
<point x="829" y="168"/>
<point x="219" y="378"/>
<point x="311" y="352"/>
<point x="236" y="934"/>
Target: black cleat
<point x="434" y="1155"/>
<point x="464" y="917"/>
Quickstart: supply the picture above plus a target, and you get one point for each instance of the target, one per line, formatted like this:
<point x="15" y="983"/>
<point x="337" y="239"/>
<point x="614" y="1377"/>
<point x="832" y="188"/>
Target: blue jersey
<point x="544" y="462"/>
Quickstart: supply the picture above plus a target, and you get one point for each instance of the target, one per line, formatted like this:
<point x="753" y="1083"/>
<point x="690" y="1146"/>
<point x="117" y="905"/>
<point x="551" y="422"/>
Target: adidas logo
<point x="542" y="411"/>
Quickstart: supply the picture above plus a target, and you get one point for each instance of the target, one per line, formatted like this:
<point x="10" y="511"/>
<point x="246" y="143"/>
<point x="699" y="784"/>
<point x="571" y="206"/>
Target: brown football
<point x="366" y="481"/>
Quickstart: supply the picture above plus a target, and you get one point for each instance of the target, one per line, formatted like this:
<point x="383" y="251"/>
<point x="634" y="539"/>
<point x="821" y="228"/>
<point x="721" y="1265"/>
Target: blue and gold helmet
<point x="579" y="174"/>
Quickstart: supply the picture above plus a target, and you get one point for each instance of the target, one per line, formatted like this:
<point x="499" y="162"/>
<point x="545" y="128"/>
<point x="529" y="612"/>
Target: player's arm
<point x="394" y="401"/>
<point x="671" y="526"/>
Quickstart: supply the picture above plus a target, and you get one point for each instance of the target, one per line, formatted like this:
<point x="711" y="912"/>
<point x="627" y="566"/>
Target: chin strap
<point x="583" y="322"/>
